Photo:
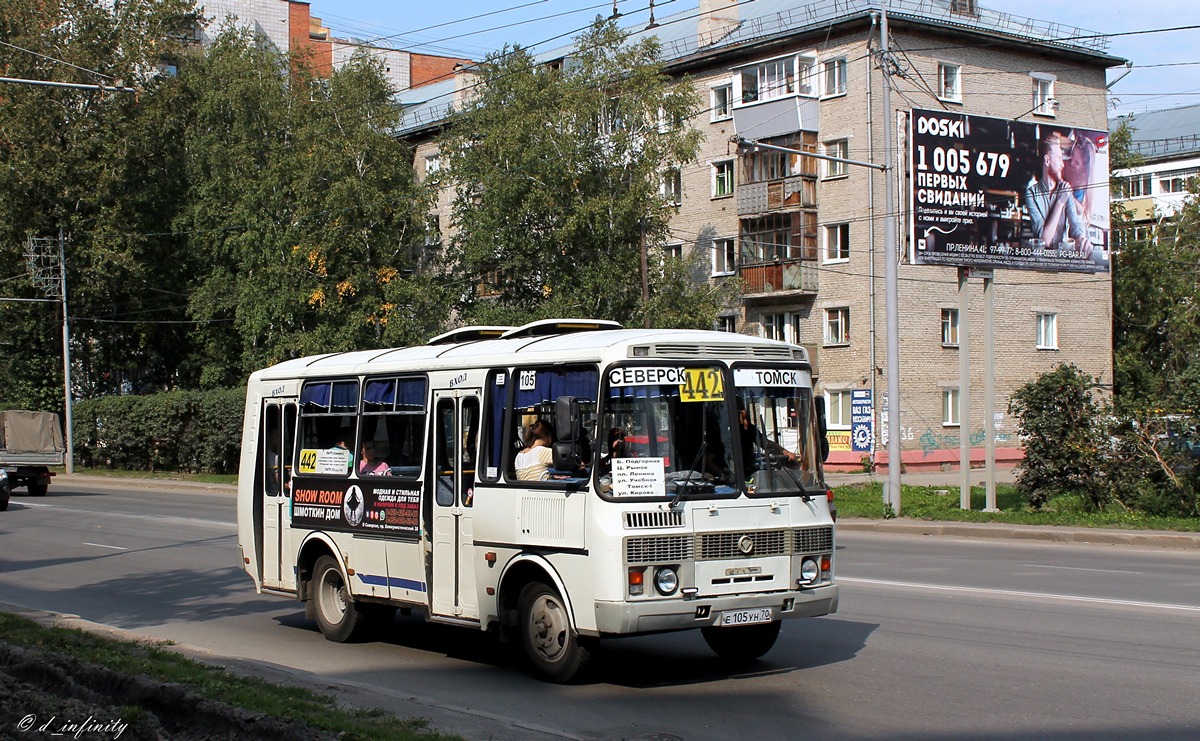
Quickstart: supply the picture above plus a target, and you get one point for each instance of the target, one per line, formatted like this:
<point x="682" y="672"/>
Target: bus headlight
<point x="666" y="580"/>
<point x="810" y="571"/>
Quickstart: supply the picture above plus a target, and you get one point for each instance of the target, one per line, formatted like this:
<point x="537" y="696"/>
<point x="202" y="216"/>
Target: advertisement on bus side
<point x="359" y="506"/>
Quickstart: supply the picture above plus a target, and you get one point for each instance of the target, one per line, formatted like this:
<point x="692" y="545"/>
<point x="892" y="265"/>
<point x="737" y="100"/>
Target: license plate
<point x="732" y="618"/>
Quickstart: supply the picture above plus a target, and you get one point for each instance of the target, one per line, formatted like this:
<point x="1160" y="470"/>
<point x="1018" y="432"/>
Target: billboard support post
<point x="989" y="391"/>
<point x="964" y="388"/>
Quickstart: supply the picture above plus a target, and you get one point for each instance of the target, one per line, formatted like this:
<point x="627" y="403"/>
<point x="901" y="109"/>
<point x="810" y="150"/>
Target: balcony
<point x="790" y="192"/>
<point x="778" y="279"/>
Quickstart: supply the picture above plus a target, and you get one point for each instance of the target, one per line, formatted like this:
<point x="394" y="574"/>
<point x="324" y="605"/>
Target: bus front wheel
<point x="337" y="615"/>
<point x="555" y="650"/>
<point x="742" y="644"/>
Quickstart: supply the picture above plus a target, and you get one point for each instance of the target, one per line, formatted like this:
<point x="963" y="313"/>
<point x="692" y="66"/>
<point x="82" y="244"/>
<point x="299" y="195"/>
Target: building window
<point x="433" y="230"/>
<point x="727" y="323"/>
<point x="1047" y="331"/>
<point x="837" y="326"/>
<point x="1135" y="186"/>
<point x="722" y="102"/>
<point x="784" y="327"/>
<point x="950" y="407"/>
<point x="838" y="148"/>
<point x="672" y="186"/>
<point x="964" y="7"/>
<point x="1175" y="182"/>
<point x="949" y="82"/>
<point x="835" y="76"/>
<point x="672" y="252"/>
<point x="1044" y="103"/>
<point x="950" y="327"/>
<point x="769" y="80"/>
<point x="433" y="164"/>
<point x="837" y="243"/>
<point x="837" y="410"/>
<point x="722" y="182"/>
<point x="774" y="326"/>
<point x="724" y="257"/>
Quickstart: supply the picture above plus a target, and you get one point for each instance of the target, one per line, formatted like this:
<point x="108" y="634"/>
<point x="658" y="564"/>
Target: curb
<point x="119" y="482"/>
<point x="1043" y="533"/>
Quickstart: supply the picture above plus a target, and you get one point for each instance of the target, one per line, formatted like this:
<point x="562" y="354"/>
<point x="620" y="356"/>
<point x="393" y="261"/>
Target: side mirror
<point x="567" y="419"/>
<point x="821" y="428"/>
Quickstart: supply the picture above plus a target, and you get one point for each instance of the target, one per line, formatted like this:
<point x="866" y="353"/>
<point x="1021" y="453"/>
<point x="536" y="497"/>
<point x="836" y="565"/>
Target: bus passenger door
<point x="455" y="446"/>
<point x="274" y="488"/>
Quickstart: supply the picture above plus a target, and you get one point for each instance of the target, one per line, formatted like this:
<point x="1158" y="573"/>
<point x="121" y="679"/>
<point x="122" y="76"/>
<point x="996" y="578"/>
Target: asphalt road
<point x="936" y="638"/>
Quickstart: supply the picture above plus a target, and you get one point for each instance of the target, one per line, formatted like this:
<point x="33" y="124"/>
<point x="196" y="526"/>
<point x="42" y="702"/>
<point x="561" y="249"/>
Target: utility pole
<point x="891" y="275"/>
<point x="47" y="262"/>
<point x="891" y="255"/>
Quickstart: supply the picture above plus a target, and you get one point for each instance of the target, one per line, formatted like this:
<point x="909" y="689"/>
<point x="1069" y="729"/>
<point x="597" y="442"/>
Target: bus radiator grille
<point x="653" y="520"/>
<point x="812" y="540"/>
<point x="718" y="546"/>
<point x="665" y="549"/>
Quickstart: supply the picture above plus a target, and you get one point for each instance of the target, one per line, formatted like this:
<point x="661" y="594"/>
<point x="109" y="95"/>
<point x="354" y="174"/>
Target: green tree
<point x="1060" y="425"/>
<point x="1156" y="302"/>
<point x="306" y="209"/>
<point x="95" y="164"/>
<point x="558" y="175"/>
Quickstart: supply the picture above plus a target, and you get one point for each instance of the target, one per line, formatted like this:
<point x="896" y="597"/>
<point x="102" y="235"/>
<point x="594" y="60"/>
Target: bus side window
<point x="393" y="419"/>
<point x="443" y="462"/>
<point x="470" y="422"/>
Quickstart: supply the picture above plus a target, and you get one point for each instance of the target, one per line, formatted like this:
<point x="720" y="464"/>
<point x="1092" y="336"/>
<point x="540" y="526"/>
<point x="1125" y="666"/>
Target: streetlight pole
<point x="891" y="278"/>
<point x="68" y="433"/>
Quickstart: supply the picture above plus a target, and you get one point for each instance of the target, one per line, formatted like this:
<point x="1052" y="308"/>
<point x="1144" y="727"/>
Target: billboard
<point x="998" y="193"/>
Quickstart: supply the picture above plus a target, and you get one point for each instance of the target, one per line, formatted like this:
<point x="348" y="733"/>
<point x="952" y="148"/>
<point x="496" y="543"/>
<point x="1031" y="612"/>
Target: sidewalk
<point x="121" y="482"/>
<point x="952" y="480"/>
<point x="949" y="479"/>
<point x="1044" y="533"/>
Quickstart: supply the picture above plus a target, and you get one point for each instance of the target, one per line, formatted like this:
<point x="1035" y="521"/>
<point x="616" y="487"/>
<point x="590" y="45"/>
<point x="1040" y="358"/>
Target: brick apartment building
<point x="806" y="237"/>
<point x="290" y="27"/>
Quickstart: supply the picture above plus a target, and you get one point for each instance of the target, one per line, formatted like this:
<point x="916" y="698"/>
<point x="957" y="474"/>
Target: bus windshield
<point x="655" y="437"/>
<point x="777" y="437"/>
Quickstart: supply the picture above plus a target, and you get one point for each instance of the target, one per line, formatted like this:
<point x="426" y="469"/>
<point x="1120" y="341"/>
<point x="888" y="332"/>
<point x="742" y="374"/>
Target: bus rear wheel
<point x="551" y="645"/>
<point x="743" y="644"/>
<point x="337" y="615"/>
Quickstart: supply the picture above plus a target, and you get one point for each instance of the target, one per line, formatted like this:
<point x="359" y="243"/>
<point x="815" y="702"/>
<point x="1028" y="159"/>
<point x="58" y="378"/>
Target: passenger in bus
<point x="615" y="448"/>
<point x="370" y="464"/>
<point x="533" y="462"/>
<point x="753" y="438"/>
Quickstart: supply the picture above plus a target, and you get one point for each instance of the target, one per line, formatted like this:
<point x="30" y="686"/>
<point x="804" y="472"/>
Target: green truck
<point x="30" y="443"/>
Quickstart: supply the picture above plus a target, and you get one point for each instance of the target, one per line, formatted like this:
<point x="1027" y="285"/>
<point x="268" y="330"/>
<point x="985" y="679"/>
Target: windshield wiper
<point x="780" y="462"/>
<point x="681" y="488"/>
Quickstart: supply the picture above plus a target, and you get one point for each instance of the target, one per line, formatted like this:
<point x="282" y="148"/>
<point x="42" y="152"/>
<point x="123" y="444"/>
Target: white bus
<point x="679" y="486"/>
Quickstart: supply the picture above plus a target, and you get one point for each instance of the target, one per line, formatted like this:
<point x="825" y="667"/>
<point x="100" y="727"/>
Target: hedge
<point x="191" y="431"/>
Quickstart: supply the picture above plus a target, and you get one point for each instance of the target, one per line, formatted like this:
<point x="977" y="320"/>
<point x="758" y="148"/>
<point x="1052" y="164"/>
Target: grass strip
<point x="943" y="503"/>
<point x="158" y="662"/>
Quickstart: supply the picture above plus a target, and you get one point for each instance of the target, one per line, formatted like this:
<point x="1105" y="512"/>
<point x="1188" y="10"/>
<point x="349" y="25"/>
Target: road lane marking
<point x="156" y="518"/>
<point x="1080" y="568"/>
<point x="1016" y="593"/>
<point x="101" y="545"/>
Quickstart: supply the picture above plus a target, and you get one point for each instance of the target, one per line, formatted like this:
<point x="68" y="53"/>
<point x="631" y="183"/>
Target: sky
<point x="1165" y="73"/>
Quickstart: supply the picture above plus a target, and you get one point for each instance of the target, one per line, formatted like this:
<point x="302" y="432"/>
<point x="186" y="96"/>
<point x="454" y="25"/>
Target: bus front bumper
<point x="652" y="616"/>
